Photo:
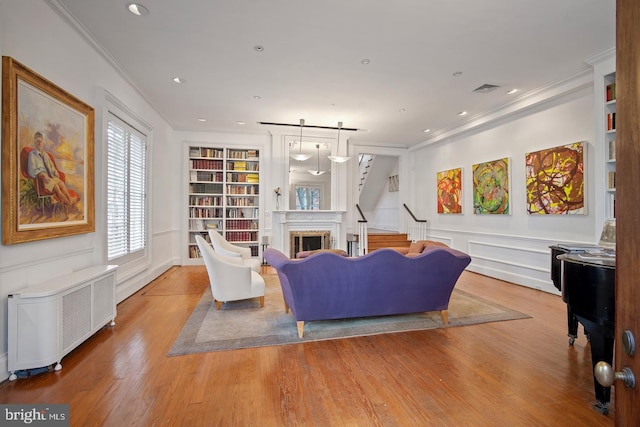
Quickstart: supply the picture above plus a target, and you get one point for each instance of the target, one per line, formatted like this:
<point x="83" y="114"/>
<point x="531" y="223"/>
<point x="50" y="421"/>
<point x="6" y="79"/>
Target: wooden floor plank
<point x="516" y="373"/>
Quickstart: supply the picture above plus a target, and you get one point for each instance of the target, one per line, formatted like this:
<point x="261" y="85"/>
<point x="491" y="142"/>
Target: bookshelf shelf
<point x="610" y="144"/>
<point x="223" y="194"/>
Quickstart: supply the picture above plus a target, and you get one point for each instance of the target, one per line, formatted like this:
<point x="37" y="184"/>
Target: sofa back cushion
<point x="415" y="248"/>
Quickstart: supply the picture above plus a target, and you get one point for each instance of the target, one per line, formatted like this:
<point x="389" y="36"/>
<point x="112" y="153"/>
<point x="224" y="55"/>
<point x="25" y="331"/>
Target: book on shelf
<point x="611" y="121"/>
<point x="612" y="180"/>
<point x="205" y="152"/>
<point x="612" y="205"/>
<point x="610" y="92"/>
<point x="612" y="149"/>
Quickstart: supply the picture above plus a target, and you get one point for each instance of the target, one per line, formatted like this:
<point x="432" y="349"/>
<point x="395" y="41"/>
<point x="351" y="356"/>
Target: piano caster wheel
<point x="571" y="340"/>
<point x="603" y="408"/>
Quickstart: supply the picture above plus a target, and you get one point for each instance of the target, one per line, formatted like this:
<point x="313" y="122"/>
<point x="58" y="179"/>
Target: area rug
<point x="243" y="324"/>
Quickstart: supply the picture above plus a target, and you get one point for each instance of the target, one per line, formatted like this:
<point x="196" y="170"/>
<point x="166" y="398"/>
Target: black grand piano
<point x="587" y="282"/>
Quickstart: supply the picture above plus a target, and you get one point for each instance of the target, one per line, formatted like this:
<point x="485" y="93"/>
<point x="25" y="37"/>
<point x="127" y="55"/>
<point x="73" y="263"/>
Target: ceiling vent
<point x="485" y="88"/>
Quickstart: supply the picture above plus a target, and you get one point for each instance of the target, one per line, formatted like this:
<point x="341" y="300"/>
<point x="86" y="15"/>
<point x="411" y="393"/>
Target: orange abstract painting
<point x="450" y="191"/>
<point x="555" y="180"/>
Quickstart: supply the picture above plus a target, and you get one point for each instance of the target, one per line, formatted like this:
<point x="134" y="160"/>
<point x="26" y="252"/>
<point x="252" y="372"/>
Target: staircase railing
<point x="418" y="229"/>
<point x="363" y="233"/>
<point x="364" y="164"/>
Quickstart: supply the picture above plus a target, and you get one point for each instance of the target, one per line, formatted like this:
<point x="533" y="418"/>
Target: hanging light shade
<point x="300" y="156"/>
<point x="339" y="159"/>
<point x="317" y="171"/>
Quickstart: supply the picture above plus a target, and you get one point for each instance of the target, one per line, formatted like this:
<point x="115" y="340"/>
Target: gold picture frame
<point x="47" y="158"/>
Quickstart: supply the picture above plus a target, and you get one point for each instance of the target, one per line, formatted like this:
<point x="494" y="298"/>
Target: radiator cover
<point x="47" y="321"/>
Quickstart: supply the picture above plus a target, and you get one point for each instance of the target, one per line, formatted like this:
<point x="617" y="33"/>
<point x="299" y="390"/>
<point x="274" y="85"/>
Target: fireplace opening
<point x="309" y="241"/>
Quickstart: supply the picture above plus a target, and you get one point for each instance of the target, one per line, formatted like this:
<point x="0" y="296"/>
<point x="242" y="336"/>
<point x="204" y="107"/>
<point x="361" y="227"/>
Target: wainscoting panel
<point x="521" y="260"/>
<point x="514" y="262"/>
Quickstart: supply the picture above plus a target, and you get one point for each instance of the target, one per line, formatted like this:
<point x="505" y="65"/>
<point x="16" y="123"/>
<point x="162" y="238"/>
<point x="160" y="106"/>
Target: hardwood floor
<point x="514" y="373"/>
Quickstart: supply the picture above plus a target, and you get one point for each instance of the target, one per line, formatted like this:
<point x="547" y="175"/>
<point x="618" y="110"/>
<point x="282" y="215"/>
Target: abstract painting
<point x="450" y="191"/>
<point x="555" y="180"/>
<point x="491" y="187"/>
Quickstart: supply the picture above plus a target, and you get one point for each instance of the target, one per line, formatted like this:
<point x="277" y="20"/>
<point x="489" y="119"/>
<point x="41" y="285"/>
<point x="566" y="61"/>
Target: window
<point x="307" y="198"/>
<point x="126" y="191"/>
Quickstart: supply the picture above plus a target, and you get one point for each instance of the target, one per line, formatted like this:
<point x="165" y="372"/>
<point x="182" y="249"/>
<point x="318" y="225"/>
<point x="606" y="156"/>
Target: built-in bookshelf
<point x="224" y="195"/>
<point x="610" y="144"/>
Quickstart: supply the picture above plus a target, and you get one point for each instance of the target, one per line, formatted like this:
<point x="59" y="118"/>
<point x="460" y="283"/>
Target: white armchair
<point x="229" y="278"/>
<point x="223" y="247"/>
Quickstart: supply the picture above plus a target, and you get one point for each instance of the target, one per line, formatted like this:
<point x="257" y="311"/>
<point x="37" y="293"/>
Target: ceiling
<point x="310" y="65"/>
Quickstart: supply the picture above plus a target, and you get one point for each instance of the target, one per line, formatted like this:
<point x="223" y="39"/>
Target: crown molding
<point x="64" y="13"/>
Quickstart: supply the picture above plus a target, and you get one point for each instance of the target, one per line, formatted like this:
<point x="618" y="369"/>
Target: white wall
<point x="511" y="247"/>
<point x="36" y="36"/>
<point x="385" y="213"/>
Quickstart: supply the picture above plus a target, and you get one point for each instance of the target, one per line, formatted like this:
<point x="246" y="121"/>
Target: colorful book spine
<point x="610" y="92"/>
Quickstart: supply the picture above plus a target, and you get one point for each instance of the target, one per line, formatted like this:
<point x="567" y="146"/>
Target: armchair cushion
<point x="229" y="281"/>
<point x="222" y="246"/>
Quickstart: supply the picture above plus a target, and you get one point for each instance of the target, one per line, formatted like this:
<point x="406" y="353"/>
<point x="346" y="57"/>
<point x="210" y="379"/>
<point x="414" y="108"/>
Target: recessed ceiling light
<point x="462" y="113"/>
<point x="512" y="91"/>
<point x="201" y="119"/>
<point x="365" y="61"/>
<point x="179" y="80"/>
<point x="426" y="130"/>
<point x="457" y="74"/>
<point x="259" y="48"/>
<point x="402" y="110"/>
<point x="256" y="97"/>
<point x="137" y="9"/>
<point x="240" y="122"/>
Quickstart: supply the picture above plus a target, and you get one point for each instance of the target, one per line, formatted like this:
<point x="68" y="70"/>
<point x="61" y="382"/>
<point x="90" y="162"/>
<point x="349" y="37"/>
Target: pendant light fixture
<point x="300" y="156"/>
<point x="317" y="171"/>
<point x="339" y="159"/>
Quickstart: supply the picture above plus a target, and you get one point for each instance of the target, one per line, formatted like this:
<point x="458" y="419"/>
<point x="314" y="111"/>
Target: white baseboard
<point x="134" y="284"/>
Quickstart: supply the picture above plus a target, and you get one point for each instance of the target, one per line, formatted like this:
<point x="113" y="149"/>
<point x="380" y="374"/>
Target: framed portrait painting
<point x="47" y="158"/>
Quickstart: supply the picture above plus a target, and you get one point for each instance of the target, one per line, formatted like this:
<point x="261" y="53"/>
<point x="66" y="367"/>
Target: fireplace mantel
<point x="307" y="216"/>
<point x="286" y="221"/>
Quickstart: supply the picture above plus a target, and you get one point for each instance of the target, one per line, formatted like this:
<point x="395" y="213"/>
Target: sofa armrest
<point x="223" y="251"/>
<point x="275" y="258"/>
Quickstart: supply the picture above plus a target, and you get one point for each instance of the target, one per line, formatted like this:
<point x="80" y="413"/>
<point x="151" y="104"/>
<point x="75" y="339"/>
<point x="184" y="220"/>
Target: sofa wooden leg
<point x="286" y="308"/>
<point x="445" y="316"/>
<point x="218" y="305"/>
<point x="262" y="301"/>
<point x="300" y="329"/>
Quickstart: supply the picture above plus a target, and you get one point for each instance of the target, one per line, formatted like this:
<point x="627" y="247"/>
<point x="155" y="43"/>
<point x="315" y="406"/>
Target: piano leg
<point x="572" y="322"/>
<point x="601" y="342"/>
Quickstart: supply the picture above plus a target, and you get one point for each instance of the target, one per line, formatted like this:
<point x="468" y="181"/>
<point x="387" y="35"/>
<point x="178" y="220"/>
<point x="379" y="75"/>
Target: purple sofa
<point x="383" y="282"/>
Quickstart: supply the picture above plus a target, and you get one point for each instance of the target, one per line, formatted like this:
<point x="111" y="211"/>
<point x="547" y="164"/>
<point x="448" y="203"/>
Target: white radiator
<point x="47" y="321"/>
